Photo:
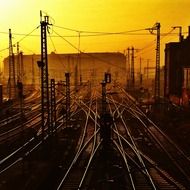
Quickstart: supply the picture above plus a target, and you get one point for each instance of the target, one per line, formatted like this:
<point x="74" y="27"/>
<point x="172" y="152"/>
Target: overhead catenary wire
<point x="55" y="50"/>
<point x="151" y="44"/>
<point x="88" y="34"/>
<point x="79" y="32"/>
<point x="52" y="43"/>
<point x="101" y="33"/>
<point x="27" y="35"/>
<point x="24" y="36"/>
<point x="114" y="33"/>
<point x="92" y="33"/>
<point x="84" y="33"/>
<point x="98" y="32"/>
<point x="89" y="55"/>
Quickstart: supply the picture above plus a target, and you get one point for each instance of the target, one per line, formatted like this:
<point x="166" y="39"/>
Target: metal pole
<point x="104" y="104"/>
<point x="53" y="107"/>
<point x="18" y="63"/>
<point x="44" y="75"/>
<point x="132" y="68"/>
<point x="11" y="81"/>
<point x="140" y="72"/>
<point x="157" y="74"/>
<point x="147" y="68"/>
<point x="67" y="76"/>
<point x="129" y="67"/>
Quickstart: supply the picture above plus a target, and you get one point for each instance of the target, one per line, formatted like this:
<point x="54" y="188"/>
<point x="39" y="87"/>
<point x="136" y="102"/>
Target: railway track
<point x="152" y="141"/>
<point x="138" y="155"/>
<point x="88" y="145"/>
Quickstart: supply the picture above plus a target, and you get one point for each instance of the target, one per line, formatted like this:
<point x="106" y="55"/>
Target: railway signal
<point x="107" y="77"/>
<point x="106" y="121"/>
<point x="106" y="118"/>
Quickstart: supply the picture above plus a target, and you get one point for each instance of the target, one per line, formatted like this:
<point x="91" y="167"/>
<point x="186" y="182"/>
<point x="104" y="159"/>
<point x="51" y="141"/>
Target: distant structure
<point x="93" y="66"/>
<point x="177" y="70"/>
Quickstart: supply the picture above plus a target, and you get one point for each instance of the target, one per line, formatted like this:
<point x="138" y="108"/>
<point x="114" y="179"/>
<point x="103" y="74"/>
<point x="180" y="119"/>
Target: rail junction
<point x="107" y="142"/>
<point x="87" y="137"/>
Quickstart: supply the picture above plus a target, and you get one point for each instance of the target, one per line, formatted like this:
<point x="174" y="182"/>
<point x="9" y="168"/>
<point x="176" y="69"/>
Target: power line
<point x="100" y="59"/>
<point x="98" y="33"/>
<point x="28" y="34"/>
<point x="52" y="43"/>
<point x="91" y="33"/>
<point x="88" y="34"/>
<point x="25" y="36"/>
<point x="153" y="42"/>
<point x="67" y="41"/>
<point x="55" y="50"/>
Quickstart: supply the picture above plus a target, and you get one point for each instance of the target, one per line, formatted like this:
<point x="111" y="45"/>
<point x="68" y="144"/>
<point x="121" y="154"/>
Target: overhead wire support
<point x="97" y="33"/>
<point x="33" y="73"/>
<point x="87" y="54"/>
<point x="131" y="65"/>
<point x="129" y="68"/>
<point x="43" y="64"/>
<point x="68" y="100"/>
<point x="157" y="70"/>
<point x="79" y="60"/>
<point x="53" y="106"/>
<point x="132" y="68"/>
<point x="22" y="74"/>
<point x="18" y="63"/>
<point x="11" y="80"/>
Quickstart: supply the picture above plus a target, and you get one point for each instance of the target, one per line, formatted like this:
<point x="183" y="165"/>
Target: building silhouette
<point x="89" y="66"/>
<point x="177" y="70"/>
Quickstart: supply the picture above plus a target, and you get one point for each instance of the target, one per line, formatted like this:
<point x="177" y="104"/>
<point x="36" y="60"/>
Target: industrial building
<point x="177" y="70"/>
<point x="83" y="67"/>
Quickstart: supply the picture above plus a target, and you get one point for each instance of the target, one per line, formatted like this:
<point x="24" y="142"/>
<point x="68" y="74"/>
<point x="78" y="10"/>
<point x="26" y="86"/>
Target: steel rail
<point x="81" y="147"/>
<point x="94" y="148"/>
<point x="133" y="142"/>
<point x="123" y="155"/>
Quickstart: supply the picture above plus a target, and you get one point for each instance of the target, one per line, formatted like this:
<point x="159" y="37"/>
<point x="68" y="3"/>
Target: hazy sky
<point x="23" y="16"/>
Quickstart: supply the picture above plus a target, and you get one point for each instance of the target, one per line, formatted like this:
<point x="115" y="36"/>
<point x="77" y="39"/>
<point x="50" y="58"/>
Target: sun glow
<point x="108" y="16"/>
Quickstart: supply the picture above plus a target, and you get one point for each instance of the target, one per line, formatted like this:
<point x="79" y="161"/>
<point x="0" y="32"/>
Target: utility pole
<point x="147" y="69"/>
<point x="126" y="67"/>
<point x="33" y="73"/>
<point x="129" y="68"/>
<point x="53" y="106"/>
<point x="140" y="72"/>
<point x="79" y="60"/>
<point x="157" y="74"/>
<point x="157" y="71"/>
<point x="18" y="63"/>
<point x="21" y="68"/>
<point x="68" y="101"/>
<point x="76" y="78"/>
<point x="11" y="80"/>
<point x="131" y="65"/>
<point x="43" y="64"/>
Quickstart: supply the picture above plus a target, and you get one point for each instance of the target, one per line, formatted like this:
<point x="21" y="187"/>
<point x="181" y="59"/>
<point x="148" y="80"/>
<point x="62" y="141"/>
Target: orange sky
<point x="22" y="16"/>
